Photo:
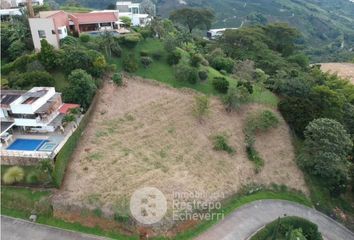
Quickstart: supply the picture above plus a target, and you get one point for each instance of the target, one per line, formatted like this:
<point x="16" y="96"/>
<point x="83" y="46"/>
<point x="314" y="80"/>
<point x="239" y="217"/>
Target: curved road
<point x="242" y="223"/>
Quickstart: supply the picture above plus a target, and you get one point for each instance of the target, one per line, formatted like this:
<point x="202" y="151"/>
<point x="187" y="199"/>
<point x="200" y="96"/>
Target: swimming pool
<point x="26" y="144"/>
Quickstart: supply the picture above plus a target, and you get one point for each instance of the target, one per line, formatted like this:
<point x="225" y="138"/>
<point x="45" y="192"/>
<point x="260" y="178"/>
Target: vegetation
<point x="201" y="107"/>
<point x="193" y="18"/>
<point x="221" y="84"/>
<point x="326" y="147"/>
<point x="289" y="228"/>
<point x="235" y="97"/>
<point x="258" y="122"/>
<point x="13" y="175"/>
<point x="117" y="79"/>
<point x="221" y="144"/>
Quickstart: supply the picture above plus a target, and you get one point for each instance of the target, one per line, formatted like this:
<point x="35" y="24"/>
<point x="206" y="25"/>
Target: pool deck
<point x="58" y="138"/>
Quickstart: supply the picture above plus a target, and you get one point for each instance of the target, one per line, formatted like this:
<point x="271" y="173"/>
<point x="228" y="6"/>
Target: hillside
<point x="327" y="26"/>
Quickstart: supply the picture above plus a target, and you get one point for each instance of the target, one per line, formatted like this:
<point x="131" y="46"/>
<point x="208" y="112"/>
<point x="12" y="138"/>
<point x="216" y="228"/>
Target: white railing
<point x="24" y="154"/>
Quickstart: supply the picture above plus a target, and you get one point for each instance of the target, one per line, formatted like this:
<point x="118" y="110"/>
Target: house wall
<point x="46" y="25"/>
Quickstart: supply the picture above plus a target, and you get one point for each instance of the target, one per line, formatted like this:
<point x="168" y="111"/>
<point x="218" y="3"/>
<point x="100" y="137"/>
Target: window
<point x="135" y="10"/>
<point x="53" y="32"/>
<point x="60" y="31"/>
<point x="65" y="30"/>
<point x="41" y="34"/>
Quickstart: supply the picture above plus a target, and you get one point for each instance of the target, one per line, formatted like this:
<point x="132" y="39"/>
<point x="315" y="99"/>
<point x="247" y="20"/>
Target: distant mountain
<point x="327" y="25"/>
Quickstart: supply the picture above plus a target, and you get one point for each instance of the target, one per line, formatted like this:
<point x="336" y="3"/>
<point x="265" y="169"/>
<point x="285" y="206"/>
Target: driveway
<point x="242" y="223"/>
<point x="16" y="229"/>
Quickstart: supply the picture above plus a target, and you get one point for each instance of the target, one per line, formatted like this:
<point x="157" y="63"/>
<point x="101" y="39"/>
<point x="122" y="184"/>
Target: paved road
<point x="16" y="229"/>
<point x="242" y="223"/>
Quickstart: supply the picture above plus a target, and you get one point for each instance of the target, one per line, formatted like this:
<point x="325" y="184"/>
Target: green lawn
<point x="163" y="72"/>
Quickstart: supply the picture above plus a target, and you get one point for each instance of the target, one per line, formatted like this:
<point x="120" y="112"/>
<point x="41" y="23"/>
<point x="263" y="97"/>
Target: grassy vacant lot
<point x="145" y="135"/>
<point x="162" y="72"/>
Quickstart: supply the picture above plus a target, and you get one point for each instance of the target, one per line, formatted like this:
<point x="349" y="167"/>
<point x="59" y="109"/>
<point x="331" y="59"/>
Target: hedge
<point x="282" y="225"/>
<point x="63" y="157"/>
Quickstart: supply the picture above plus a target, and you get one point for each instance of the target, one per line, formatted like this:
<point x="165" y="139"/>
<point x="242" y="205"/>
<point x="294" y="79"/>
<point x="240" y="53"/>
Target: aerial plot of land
<point x="144" y="134"/>
<point x="344" y="70"/>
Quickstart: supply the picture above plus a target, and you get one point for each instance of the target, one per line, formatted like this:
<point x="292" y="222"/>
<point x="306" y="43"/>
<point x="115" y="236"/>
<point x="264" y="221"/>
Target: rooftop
<point x="95" y="17"/>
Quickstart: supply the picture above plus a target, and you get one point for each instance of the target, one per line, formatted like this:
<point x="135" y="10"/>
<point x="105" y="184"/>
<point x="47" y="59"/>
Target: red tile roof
<point x="97" y="17"/>
<point x="67" y="106"/>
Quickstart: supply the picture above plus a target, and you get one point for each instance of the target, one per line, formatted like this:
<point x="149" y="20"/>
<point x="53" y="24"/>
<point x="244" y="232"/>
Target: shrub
<point x="129" y="63"/>
<point x="201" y="106"/>
<point x="221" y="84"/>
<point x="116" y="50"/>
<point x="253" y="156"/>
<point x="13" y="175"/>
<point x="68" y="118"/>
<point x="19" y="64"/>
<point x="221" y="144"/>
<point x="247" y="85"/>
<point x="146" y="33"/>
<point x="84" y="38"/>
<point x="261" y="121"/>
<point x="157" y="55"/>
<point x="68" y="41"/>
<point x="186" y="73"/>
<point x="144" y="53"/>
<point x="235" y="97"/>
<point x="32" y="178"/>
<point x="130" y="40"/>
<point x="222" y="63"/>
<point x="117" y="79"/>
<point x="203" y="75"/>
<point x="31" y="79"/>
<point x="35" y="66"/>
<point x="174" y="57"/>
<point x="196" y="60"/>
<point x="146" y="61"/>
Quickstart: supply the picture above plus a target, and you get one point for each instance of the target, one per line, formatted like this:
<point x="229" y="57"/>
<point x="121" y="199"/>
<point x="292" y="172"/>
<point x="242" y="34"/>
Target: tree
<point x="221" y="84"/>
<point x="148" y="7"/>
<point x="127" y="21"/>
<point x="201" y="107"/>
<point x="48" y="56"/>
<point x="282" y="37"/>
<point x="186" y="73"/>
<point x="223" y="63"/>
<point x="193" y="18"/>
<point x="81" y="88"/>
<point x="130" y="63"/>
<point x="326" y="148"/>
<point x="107" y="42"/>
<point x="13" y="175"/>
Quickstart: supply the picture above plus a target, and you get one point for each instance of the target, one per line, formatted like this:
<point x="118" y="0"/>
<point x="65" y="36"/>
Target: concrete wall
<point x="46" y="25"/>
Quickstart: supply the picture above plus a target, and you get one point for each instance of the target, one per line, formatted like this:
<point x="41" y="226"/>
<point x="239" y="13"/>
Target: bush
<point x="203" y="75"/>
<point x="247" y="85"/>
<point x="235" y="97"/>
<point x="221" y="84"/>
<point x="13" y="175"/>
<point x="157" y="55"/>
<point x="261" y="121"/>
<point x="130" y="40"/>
<point x="129" y="63"/>
<point x="32" y="178"/>
<point x="68" y="41"/>
<point x="196" y="60"/>
<point x="84" y="38"/>
<point x="222" y="63"/>
<point x="146" y="61"/>
<point x="201" y="107"/>
<point x="117" y="79"/>
<point x="221" y="144"/>
<point x="31" y="79"/>
<point x="116" y="50"/>
<point x="185" y="73"/>
<point x="19" y="64"/>
<point x="35" y="66"/>
<point x="174" y="57"/>
<point x="144" y="53"/>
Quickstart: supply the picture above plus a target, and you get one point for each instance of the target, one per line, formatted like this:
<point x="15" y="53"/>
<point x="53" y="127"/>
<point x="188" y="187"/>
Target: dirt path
<point x="345" y="70"/>
<point x="246" y="220"/>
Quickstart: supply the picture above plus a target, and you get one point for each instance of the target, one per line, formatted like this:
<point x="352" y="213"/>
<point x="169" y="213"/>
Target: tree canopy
<point x="193" y="18"/>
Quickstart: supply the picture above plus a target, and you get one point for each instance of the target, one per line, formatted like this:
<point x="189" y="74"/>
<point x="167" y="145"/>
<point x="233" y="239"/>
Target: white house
<point x="133" y="11"/>
<point x="39" y="109"/>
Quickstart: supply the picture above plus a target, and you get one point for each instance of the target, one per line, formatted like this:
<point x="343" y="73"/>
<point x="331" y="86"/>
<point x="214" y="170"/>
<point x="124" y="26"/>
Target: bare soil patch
<point x="145" y="134"/>
<point x="344" y="70"/>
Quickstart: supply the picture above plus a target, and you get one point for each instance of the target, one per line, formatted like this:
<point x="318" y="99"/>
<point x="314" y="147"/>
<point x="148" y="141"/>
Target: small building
<point x="134" y="12"/>
<point x="213" y="34"/>
<point x="19" y="3"/>
<point x="49" y="25"/>
<point x="94" y="21"/>
<point x="7" y="14"/>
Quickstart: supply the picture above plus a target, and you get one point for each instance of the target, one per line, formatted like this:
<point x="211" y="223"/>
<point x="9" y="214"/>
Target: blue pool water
<point x="26" y="144"/>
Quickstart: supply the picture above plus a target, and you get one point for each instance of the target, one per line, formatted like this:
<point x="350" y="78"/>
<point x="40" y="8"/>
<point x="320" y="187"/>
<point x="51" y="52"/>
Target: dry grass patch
<point x="344" y="70"/>
<point x="146" y="135"/>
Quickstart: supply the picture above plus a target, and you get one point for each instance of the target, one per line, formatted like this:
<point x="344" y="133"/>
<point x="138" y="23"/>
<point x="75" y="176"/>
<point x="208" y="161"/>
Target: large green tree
<point x="193" y="18"/>
<point x="81" y="89"/>
<point x="326" y="149"/>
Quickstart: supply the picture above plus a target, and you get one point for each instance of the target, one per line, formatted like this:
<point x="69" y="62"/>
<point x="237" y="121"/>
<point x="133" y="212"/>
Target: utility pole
<point x="30" y="9"/>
